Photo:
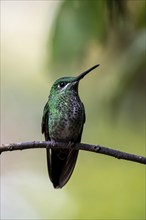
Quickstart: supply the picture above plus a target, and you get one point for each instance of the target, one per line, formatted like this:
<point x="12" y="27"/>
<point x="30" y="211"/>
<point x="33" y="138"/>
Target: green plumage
<point x="63" y="120"/>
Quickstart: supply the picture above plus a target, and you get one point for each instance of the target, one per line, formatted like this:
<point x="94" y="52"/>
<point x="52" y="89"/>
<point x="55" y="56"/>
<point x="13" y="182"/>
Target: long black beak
<point x="77" y="79"/>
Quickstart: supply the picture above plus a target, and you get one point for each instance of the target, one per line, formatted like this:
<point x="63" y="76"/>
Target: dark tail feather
<point x="61" y="164"/>
<point x="49" y="163"/>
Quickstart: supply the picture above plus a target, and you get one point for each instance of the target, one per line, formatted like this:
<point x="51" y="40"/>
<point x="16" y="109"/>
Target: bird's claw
<point x="70" y="144"/>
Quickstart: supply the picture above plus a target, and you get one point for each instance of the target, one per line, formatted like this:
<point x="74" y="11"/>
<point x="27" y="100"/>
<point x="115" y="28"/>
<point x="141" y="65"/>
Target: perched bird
<point x="63" y="121"/>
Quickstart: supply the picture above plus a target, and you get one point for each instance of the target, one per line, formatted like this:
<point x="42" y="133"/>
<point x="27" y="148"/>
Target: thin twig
<point x="79" y="146"/>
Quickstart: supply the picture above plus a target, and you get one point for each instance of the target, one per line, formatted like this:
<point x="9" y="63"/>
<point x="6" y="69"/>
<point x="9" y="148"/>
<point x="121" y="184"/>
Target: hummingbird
<point x="63" y="120"/>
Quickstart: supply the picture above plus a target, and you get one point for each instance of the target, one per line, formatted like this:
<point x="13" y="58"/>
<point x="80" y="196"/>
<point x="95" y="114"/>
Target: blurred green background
<point x="42" y="41"/>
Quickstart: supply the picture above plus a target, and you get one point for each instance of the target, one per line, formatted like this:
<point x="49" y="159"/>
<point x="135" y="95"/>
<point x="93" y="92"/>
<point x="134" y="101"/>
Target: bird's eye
<point x="61" y="84"/>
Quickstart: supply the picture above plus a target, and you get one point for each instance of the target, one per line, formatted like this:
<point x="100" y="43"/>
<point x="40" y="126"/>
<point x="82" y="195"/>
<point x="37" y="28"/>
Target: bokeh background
<point x="42" y="41"/>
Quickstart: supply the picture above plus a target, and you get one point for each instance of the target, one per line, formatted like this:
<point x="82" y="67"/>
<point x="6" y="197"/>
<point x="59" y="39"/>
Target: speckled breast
<point x="66" y="119"/>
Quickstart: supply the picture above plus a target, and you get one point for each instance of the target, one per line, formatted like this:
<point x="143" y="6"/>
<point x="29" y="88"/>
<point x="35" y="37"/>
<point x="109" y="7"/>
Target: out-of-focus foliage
<point x="76" y="25"/>
<point x="79" y="23"/>
<point x="81" y="34"/>
<point x="117" y="27"/>
<point x="112" y="33"/>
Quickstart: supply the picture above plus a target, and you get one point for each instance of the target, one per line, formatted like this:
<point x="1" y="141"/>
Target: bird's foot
<point x="70" y="144"/>
<point x="53" y="143"/>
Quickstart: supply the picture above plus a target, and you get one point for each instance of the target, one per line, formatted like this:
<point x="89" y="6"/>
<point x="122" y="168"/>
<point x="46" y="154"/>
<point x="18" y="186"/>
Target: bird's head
<point x="68" y="84"/>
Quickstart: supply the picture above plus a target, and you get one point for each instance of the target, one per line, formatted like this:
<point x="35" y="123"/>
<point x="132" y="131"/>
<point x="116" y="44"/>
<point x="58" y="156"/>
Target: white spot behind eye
<point x="62" y="89"/>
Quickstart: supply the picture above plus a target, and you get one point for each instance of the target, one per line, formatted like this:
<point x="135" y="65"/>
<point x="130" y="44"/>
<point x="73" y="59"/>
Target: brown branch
<point x="79" y="146"/>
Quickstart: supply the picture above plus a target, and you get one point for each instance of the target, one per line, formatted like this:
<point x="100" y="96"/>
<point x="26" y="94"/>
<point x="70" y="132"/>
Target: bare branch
<point x="79" y="146"/>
